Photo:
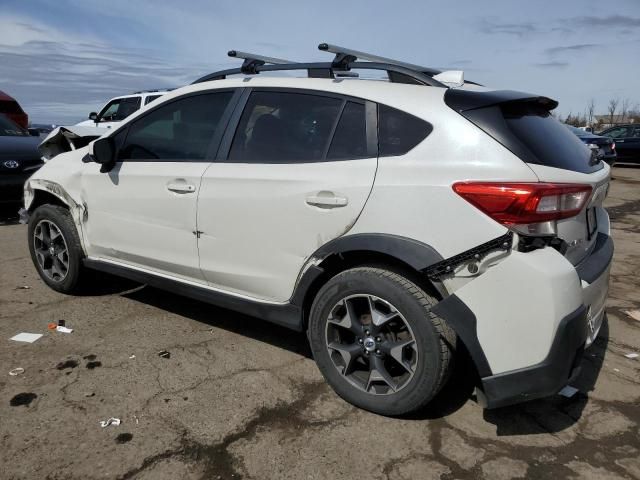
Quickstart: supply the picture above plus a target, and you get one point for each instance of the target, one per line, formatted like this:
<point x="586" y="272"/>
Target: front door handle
<point x="181" y="187"/>
<point x="327" y="200"/>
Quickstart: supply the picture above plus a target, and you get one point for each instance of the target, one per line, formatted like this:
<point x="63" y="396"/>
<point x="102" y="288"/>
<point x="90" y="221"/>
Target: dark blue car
<point x="604" y="147"/>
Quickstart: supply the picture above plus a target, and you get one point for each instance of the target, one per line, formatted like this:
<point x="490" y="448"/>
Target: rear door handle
<point x="327" y="200"/>
<point x="180" y="187"/>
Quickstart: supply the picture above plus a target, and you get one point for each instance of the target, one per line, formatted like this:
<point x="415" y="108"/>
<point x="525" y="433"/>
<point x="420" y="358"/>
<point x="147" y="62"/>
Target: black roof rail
<point x="349" y="55"/>
<point x="345" y="60"/>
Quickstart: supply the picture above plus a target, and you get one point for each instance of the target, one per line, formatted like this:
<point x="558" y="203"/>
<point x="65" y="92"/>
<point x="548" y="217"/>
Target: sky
<point x="63" y="59"/>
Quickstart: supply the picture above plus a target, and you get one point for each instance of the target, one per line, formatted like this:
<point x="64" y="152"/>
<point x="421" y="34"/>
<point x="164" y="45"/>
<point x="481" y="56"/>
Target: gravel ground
<point x="238" y="398"/>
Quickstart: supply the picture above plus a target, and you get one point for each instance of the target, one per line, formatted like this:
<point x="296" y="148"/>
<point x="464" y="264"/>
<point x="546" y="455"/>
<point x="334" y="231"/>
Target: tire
<point x="63" y="234"/>
<point x="414" y="373"/>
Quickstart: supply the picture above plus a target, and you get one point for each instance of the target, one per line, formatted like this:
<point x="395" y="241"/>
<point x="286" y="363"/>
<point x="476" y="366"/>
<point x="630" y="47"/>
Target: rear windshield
<point x="551" y="143"/>
<point x="527" y="129"/>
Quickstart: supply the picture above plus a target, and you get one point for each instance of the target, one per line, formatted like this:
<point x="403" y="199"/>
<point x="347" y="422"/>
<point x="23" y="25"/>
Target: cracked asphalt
<point x="238" y="398"/>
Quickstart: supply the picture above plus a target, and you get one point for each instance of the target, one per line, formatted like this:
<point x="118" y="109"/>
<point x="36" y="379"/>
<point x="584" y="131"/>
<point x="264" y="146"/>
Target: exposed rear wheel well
<point x="43" y="198"/>
<point x="339" y="262"/>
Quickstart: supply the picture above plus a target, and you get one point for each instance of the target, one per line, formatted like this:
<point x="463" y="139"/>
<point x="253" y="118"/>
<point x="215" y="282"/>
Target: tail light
<point x="525" y="203"/>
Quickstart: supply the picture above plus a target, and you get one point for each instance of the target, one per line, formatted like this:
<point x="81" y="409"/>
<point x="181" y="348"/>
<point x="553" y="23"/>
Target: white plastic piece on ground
<point x="16" y="371"/>
<point x="568" y="391"/>
<point x="631" y="355"/>
<point x="452" y="78"/>
<point x="635" y="314"/>
<point x="110" y="421"/>
<point x="26" y="337"/>
<point x="62" y="329"/>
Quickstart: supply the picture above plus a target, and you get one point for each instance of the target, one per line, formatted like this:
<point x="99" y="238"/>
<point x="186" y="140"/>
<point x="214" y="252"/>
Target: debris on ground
<point x="631" y="355"/>
<point x="635" y="314"/>
<point x="16" y="371"/>
<point x="52" y="325"/>
<point x="23" y="399"/>
<point x="164" y="354"/>
<point x="23" y="287"/>
<point x="131" y="357"/>
<point x="62" y="329"/>
<point x="110" y="421"/>
<point x="568" y="391"/>
<point x="26" y="337"/>
<point x="90" y="394"/>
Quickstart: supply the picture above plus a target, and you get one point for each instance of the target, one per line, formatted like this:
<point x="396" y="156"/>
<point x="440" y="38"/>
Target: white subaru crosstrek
<point x="400" y="223"/>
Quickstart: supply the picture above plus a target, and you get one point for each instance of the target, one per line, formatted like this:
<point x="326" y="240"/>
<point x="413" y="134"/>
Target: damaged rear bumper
<point x="527" y="321"/>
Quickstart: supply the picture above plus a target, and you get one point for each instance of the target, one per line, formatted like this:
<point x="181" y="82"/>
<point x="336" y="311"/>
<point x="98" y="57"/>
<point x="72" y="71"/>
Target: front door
<point x="298" y="172"/>
<point x="143" y="212"/>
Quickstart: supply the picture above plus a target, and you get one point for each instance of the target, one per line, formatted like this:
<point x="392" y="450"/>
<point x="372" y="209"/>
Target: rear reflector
<point x="523" y="203"/>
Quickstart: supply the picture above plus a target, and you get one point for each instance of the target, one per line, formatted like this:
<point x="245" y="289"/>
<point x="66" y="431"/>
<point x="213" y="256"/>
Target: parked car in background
<point x="604" y="147"/>
<point x="19" y="158"/>
<point x="627" y="139"/>
<point x="12" y="109"/>
<point x="43" y="127"/>
<point x="119" y="108"/>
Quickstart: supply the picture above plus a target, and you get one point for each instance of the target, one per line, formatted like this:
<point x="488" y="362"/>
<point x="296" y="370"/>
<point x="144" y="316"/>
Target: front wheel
<point x="377" y="343"/>
<point x="55" y="248"/>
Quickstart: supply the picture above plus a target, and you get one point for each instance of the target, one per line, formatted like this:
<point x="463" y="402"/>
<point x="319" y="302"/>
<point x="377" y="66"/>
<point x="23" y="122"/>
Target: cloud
<point x="609" y="21"/>
<point x="59" y="78"/>
<point x="518" y="29"/>
<point x="572" y="48"/>
<point x="552" y="64"/>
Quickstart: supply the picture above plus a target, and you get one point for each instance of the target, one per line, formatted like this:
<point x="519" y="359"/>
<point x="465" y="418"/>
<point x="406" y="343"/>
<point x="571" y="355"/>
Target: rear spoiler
<point x="464" y="100"/>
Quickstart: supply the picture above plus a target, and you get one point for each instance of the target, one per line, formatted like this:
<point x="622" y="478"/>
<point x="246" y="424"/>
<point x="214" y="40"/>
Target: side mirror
<point x="34" y="132"/>
<point x="103" y="152"/>
<point x="93" y="116"/>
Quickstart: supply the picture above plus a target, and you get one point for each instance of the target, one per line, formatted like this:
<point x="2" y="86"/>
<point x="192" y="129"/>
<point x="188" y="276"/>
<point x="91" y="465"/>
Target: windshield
<point x="10" y="129"/>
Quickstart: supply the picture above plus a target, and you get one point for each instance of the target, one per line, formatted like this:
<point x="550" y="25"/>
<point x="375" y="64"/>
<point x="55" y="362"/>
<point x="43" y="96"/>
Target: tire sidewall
<point x="424" y="384"/>
<point x="61" y="218"/>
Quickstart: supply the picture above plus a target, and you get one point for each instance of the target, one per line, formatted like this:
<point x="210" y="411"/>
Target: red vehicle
<point x="12" y="109"/>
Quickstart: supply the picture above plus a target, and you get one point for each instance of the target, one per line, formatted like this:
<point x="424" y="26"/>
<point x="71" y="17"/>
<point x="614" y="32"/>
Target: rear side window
<point x="284" y="127"/>
<point x="150" y="99"/>
<point x="399" y="132"/>
<point x="350" y="139"/>
<point x="550" y="143"/>
<point x="180" y="130"/>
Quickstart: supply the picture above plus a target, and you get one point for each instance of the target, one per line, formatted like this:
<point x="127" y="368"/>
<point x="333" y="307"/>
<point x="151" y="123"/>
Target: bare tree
<point x="591" y="108"/>
<point x="612" y="108"/>
<point x="624" y="108"/>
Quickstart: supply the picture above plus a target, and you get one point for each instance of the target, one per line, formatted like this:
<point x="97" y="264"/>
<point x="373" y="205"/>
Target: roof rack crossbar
<point x="414" y="75"/>
<point x="354" y="55"/>
<point x="252" y="60"/>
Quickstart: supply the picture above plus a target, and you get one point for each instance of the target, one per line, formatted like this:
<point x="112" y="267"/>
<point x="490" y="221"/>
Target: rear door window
<point x="618" y="132"/>
<point x="180" y="130"/>
<point x="399" y="132"/>
<point x="285" y="127"/>
<point x="350" y="138"/>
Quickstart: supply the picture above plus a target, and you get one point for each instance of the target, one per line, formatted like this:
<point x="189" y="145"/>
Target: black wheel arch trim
<point x="416" y="254"/>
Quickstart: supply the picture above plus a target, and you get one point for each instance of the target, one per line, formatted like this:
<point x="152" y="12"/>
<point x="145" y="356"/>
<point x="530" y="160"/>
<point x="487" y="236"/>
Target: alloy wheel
<point x="371" y="344"/>
<point x="51" y="250"/>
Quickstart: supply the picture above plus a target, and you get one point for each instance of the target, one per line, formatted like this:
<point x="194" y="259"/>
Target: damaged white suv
<point x="401" y="223"/>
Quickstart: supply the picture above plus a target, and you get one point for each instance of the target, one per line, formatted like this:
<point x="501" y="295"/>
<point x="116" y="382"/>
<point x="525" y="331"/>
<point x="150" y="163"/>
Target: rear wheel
<point x="55" y="248"/>
<point x="377" y="343"/>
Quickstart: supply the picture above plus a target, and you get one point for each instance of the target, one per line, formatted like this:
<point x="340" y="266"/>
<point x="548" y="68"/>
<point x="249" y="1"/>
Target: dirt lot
<point x="242" y="399"/>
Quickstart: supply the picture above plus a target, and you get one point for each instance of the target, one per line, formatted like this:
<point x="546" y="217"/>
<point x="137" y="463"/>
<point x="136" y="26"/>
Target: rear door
<point x="294" y="174"/>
